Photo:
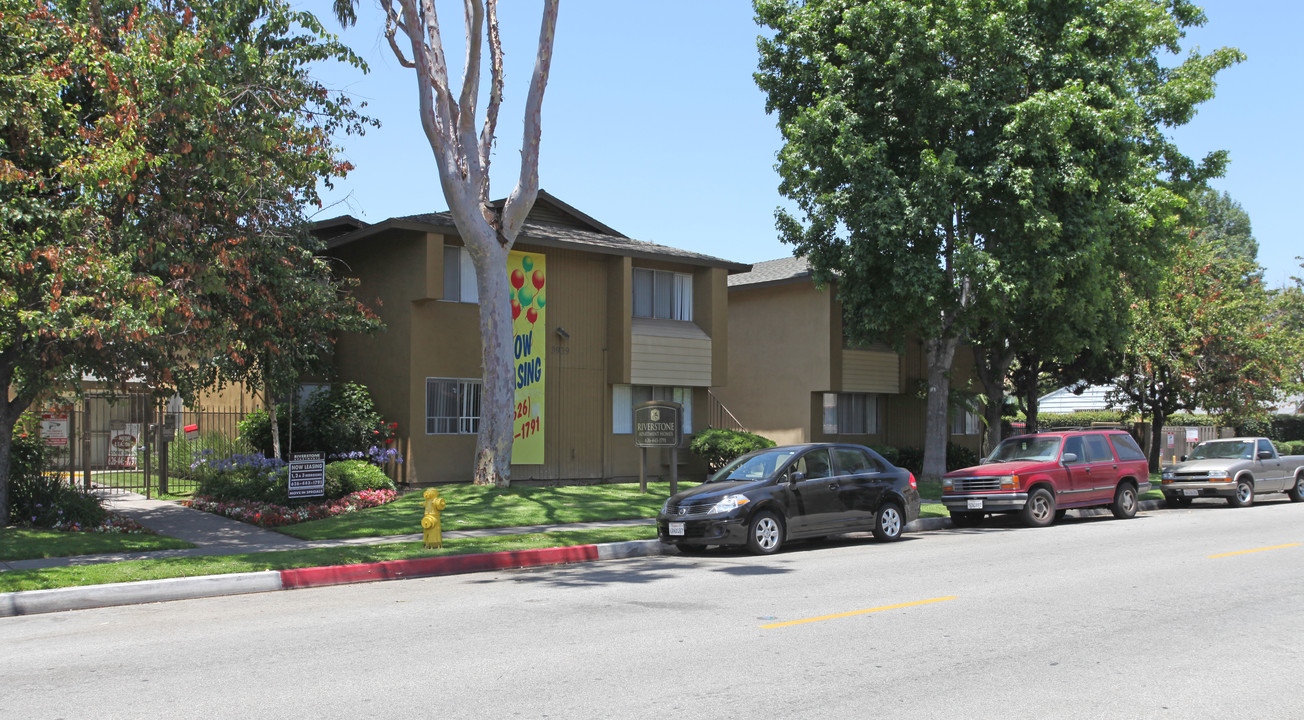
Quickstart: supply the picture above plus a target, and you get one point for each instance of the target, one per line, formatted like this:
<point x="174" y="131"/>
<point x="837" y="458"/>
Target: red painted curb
<point x="432" y="566"/>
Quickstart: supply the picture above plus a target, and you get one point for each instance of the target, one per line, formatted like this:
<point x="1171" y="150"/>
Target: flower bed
<point x="114" y="523"/>
<point x="271" y="515"/>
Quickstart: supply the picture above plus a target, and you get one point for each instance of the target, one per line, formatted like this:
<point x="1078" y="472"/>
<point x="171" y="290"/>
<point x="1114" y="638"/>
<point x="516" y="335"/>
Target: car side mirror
<point x="1265" y="455"/>
<point x="1183" y="458"/>
<point x="1067" y="458"/>
<point x="796" y="476"/>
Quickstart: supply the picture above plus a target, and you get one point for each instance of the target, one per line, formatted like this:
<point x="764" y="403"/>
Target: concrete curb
<point x="30" y="602"/>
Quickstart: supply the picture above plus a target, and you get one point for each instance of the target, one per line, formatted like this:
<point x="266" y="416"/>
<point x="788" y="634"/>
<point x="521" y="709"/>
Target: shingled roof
<point x="551" y="223"/>
<point x="773" y="272"/>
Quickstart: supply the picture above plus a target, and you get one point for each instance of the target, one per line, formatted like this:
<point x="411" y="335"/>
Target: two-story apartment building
<point x="607" y="322"/>
<point x="793" y="377"/>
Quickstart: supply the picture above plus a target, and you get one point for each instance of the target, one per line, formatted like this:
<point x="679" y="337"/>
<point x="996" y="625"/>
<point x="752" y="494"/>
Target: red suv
<point x="1041" y="476"/>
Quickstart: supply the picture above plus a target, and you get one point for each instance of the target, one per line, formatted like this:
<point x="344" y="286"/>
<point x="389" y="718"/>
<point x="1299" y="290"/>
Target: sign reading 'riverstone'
<point x="658" y="424"/>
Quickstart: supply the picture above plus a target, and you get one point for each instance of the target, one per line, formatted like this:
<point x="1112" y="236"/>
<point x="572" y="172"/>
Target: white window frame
<point x="678" y="287"/>
<point x="466" y="420"/>
<point x="842" y="417"/>
<point x="623" y="402"/>
<point x="459" y="276"/>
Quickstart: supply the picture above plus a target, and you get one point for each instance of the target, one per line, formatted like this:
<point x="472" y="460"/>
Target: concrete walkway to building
<point x="217" y="535"/>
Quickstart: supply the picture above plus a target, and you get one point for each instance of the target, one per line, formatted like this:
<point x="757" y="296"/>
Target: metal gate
<point x="135" y="442"/>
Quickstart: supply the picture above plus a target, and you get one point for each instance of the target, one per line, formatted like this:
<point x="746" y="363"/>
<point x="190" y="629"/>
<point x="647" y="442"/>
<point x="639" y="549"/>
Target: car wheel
<point x="1244" y="496"/>
<point x="1124" y="505"/>
<point x="962" y="519"/>
<point x="1296" y="493"/>
<point x="764" y="533"/>
<point x="888" y="523"/>
<point x="1177" y="501"/>
<point x="1040" y="509"/>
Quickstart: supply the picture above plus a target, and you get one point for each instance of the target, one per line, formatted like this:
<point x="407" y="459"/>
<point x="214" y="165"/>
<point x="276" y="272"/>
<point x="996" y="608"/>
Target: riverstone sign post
<point x="659" y="424"/>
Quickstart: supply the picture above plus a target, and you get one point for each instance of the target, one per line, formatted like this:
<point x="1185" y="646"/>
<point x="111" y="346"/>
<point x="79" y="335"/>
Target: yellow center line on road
<point x="856" y="612"/>
<point x="1242" y="552"/>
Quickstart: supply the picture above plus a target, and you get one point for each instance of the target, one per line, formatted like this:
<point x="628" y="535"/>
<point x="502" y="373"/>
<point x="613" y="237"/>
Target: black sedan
<point x="767" y="497"/>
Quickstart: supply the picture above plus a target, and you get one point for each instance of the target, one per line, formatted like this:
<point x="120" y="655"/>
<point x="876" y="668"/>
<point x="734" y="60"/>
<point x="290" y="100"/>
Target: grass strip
<point x="471" y="507"/>
<point x="138" y="570"/>
<point x="31" y="543"/>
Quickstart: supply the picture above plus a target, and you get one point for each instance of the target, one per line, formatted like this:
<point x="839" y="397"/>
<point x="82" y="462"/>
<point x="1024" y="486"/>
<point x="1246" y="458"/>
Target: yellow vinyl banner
<point x="528" y="275"/>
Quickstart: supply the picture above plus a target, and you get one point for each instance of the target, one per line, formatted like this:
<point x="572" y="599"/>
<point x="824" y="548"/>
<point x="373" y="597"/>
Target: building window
<point x="965" y="422"/>
<point x="662" y="294"/>
<point x="850" y="414"/>
<point x="625" y="397"/>
<point x="452" y="406"/>
<point x="459" y="276"/>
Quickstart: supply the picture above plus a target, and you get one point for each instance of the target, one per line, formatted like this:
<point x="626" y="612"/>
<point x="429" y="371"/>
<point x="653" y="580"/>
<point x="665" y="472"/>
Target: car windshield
<point x="1026" y="448"/>
<point x="753" y="467"/>
<point x="1222" y="450"/>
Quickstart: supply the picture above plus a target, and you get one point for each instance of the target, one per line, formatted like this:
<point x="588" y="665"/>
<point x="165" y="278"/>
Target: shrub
<point x="42" y="500"/>
<point x="349" y="476"/>
<point x="344" y="420"/>
<point x="341" y="422"/>
<point x="1291" y="447"/>
<point x="243" y="477"/>
<point x="1082" y="418"/>
<point x="912" y="459"/>
<point x="888" y="452"/>
<point x="717" y="447"/>
<point x="959" y="456"/>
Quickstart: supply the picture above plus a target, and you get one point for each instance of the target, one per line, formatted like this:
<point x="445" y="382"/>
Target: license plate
<point x="1191" y="493"/>
<point x="976" y="504"/>
<point x="677" y="528"/>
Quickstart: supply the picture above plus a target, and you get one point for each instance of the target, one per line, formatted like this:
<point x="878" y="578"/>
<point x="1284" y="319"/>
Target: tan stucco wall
<point x="589" y="295"/>
<point x="779" y="353"/>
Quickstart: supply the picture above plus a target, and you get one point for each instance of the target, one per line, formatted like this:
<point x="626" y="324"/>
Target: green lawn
<point x="30" y="543"/>
<point x="218" y="565"/>
<point x="472" y="506"/>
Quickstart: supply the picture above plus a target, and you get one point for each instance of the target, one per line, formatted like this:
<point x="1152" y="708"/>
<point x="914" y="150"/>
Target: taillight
<point x="913" y="484"/>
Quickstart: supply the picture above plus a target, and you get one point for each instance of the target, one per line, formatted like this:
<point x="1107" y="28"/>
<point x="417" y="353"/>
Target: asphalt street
<point x="1175" y="614"/>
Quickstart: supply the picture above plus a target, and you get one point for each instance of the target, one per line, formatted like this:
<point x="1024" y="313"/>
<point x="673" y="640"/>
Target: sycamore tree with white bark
<point x="461" y="143"/>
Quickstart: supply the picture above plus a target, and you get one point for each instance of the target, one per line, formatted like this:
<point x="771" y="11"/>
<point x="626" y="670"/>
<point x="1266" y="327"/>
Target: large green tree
<point x="979" y="168"/>
<point x="150" y="154"/>
<point x="1211" y="338"/>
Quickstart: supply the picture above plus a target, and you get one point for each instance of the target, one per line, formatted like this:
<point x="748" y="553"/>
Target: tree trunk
<point x="493" y="447"/>
<point x="939" y="353"/>
<point x="10" y="412"/>
<point x="1157" y="418"/>
<point x="991" y="367"/>
<point x="275" y="425"/>
<point x="6" y="445"/>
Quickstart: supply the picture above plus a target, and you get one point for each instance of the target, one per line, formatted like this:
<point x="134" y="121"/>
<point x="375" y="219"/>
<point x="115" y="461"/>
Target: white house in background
<point x="1094" y="397"/>
<point x="1070" y="399"/>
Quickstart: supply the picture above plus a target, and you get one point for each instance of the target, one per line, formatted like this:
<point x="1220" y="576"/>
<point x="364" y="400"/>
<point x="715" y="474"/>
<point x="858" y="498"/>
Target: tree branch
<point x="495" y="100"/>
<point x="522" y="196"/>
<point x="470" y="153"/>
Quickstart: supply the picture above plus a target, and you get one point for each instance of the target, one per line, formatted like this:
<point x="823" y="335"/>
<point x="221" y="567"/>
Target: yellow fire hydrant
<point x="433" y="535"/>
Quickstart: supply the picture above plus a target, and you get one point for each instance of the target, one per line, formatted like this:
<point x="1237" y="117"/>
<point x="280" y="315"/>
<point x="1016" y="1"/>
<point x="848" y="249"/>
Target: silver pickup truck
<point x="1236" y="469"/>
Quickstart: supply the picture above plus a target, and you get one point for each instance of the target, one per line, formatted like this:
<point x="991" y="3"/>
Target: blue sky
<point x="653" y="125"/>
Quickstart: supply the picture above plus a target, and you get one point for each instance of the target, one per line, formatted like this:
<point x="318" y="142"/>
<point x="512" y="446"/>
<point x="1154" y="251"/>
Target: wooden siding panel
<point x="871" y="371"/>
<point x="671" y="361"/>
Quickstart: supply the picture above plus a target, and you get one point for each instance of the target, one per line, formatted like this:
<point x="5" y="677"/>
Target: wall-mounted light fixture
<point x="561" y="333"/>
